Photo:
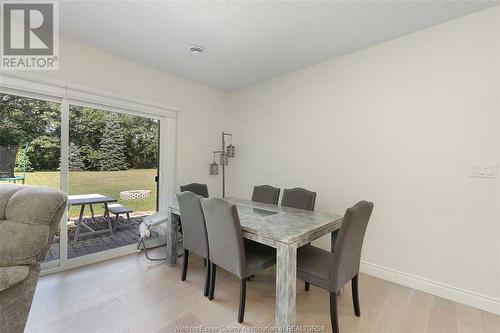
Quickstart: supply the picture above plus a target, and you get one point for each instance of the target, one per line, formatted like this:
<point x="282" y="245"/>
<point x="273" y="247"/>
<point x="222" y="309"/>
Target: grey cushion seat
<point x="313" y="265"/>
<point x="258" y="257"/>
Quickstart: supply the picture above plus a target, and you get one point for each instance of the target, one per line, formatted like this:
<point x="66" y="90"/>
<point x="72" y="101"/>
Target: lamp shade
<point x="230" y="150"/>
<point x="224" y="160"/>
<point x="214" y="169"/>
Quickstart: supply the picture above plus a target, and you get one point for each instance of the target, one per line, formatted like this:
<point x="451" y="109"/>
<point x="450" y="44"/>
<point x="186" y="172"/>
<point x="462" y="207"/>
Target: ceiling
<point x="246" y="42"/>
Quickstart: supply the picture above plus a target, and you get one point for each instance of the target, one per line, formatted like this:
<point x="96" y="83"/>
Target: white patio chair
<point x="158" y="219"/>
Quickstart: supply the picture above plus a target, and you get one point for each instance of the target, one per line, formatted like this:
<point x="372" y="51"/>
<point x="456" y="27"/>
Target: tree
<point x="24" y="119"/>
<point x="113" y="146"/>
<point x="86" y="127"/>
<point x="141" y="138"/>
<point x="35" y="122"/>
<point x="38" y="123"/>
<point x="75" y="161"/>
<point x="45" y="153"/>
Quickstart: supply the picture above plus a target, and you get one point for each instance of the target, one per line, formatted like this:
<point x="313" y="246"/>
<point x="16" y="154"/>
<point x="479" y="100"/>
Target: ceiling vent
<point x="196" y="49"/>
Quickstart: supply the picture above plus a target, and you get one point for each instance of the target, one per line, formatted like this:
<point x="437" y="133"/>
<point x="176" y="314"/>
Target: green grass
<point x="108" y="183"/>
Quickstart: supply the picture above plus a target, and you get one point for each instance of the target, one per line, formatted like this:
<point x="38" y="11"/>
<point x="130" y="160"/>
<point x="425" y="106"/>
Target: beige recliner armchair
<point x="29" y="217"/>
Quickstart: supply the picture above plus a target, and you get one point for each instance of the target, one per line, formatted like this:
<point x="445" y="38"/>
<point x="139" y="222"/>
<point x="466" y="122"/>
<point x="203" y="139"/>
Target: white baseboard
<point x="458" y="295"/>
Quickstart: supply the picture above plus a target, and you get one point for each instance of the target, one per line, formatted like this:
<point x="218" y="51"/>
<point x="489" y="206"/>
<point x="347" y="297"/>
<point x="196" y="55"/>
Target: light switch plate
<point x="483" y="171"/>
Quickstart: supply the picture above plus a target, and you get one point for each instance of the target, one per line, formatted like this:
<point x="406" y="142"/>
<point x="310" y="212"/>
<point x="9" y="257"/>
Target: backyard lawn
<point x="108" y="183"/>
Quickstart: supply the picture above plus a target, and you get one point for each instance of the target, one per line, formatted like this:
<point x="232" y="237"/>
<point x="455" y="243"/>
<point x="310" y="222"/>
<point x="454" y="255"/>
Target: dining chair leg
<point x="243" y="296"/>
<point x="355" y="295"/>
<point x="306" y="286"/>
<point x="213" y="271"/>
<point x="185" y="265"/>
<point x="333" y="312"/>
<point x="207" y="278"/>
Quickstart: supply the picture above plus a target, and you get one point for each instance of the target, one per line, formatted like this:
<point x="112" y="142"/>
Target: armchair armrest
<point x="10" y="276"/>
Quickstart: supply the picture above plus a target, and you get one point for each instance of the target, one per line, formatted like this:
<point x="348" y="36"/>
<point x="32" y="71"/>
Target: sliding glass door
<point x="107" y="160"/>
<point x="112" y="166"/>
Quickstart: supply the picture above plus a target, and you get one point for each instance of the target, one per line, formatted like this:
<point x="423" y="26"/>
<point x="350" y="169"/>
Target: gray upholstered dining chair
<point x="229" y="251"/>
<point x="196" y="188"/>
<point x="331" y="271"/>
<point x="194" y="232"/>
<point x="298" y="198"/>
<point x="200" y="189"/>
<point x="266" y="194"/>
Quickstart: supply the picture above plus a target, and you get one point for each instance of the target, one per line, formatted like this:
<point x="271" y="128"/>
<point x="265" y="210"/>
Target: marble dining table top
<point x="281" y="224"/>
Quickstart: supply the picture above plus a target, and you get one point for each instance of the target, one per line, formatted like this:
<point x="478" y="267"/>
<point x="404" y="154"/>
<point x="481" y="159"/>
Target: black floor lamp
<point x="225" y="153"/>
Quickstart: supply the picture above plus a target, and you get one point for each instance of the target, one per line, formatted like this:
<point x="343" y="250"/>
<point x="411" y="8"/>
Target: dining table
<point x="283" y="228"/>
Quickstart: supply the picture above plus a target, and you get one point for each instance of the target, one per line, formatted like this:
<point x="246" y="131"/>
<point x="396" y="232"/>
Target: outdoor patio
<point x="126" y="234"/>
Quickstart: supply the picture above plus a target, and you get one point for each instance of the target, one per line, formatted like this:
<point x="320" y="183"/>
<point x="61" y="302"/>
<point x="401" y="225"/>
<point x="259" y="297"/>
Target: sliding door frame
<point x="70" y="94"/>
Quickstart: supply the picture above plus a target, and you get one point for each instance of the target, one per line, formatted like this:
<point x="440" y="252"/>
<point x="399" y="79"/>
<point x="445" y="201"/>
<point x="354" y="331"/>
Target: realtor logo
<point x="29" y="36"/>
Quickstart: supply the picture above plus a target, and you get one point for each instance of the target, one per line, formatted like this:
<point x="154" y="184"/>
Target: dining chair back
<point x="266" y="194"/>
<point x="331" y="271"/>
<point x="200" y="189"/>
<point x="225" y="238"/>
<point x="229" y="250"/>
<point x="347" y="252"/>
<point x="194" y="231"/>
<point x="298" y="198"/>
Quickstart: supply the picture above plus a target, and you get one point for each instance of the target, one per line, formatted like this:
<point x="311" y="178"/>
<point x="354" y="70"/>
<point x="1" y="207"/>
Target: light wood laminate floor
<point x="131" y="294"/>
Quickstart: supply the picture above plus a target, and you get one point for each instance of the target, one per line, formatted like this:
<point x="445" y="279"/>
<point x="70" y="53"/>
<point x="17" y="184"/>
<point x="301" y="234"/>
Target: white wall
<point x="202" y="110"/>
<point x="398" y="124"/>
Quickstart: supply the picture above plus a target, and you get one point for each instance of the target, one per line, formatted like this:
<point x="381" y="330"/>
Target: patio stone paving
<point x="125" y="235"/>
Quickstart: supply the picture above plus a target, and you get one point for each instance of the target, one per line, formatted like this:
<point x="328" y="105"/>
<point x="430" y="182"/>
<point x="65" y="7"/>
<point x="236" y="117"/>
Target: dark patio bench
<point x="117" y="209"/>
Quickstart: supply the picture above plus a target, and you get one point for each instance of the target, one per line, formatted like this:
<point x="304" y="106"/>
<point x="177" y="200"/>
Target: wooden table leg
<point x="108" y="218"/>
<point x="286" y="286"/>
<point x="172" y="241"/>
<point x="92" y="213"/>
<point x="79" y="223"/>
